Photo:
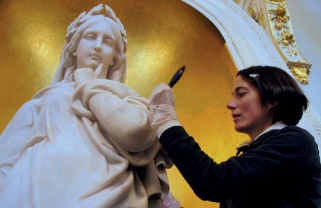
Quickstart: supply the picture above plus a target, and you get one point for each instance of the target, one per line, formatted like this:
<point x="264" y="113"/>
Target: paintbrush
<point x="176" y="76"/>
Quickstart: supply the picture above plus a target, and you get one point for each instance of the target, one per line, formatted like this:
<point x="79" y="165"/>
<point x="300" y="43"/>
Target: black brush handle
<point x="176" y="76"/>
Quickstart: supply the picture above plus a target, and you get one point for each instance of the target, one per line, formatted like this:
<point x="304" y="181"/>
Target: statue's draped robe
<point x="86" y="147"/>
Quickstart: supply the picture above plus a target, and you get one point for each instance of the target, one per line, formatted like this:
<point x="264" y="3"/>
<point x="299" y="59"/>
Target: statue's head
<point x="75" y="31"/>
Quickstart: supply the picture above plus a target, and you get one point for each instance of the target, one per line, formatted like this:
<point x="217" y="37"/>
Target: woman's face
<point x="96" y="46"/>
<point x="249" y="115"/>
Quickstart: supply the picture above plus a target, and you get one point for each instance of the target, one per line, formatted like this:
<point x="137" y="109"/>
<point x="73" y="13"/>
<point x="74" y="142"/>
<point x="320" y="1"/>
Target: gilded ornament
<point x="278" y="26"/>
<point x="280" y="10"/>
<point x="280" y="32"/>
<point x="294" y="52"/>
<point x="287" y="38"/>
<point x="300" y="71"/>
<point x="255" y="11"/>
<point x="280" y="14"/>
<point x="276" y="1"/>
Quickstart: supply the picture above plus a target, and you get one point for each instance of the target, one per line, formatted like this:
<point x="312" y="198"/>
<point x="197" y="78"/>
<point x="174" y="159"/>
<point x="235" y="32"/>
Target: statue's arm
<point x="120" y="111"/>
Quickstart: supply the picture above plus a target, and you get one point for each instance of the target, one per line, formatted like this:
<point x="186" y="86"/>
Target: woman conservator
<point x="279" y="165"/>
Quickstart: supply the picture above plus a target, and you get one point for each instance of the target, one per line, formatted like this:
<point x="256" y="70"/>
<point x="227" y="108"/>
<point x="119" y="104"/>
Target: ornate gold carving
<point x="282" y="34"/>
<point x="284" y="37"/>
<point x="300" y="71"/>
<point x="276" y="1"/>
<point x="273" y="17"/>
<point x="255" y="11"/>
<point x="280" y="14"/>
<point x="287" y="38"/>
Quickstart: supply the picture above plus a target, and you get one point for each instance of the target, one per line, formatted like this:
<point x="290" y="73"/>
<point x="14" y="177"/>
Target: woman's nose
<point x="231" y="105"/>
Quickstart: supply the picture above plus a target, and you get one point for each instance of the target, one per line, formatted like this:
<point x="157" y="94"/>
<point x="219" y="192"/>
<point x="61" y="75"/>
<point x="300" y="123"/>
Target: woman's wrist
<point x="163" y="127"/>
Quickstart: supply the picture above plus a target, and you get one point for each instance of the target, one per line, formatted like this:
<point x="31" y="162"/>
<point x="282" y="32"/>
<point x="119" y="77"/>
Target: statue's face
<point x="96" y="46"/>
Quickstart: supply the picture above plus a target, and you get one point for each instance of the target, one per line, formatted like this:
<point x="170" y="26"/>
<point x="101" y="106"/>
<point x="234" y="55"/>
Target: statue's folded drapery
<point x="86" y="147"/>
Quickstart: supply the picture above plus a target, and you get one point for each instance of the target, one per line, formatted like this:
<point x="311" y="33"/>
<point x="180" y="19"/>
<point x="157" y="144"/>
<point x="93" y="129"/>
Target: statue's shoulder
<point x="57" y="89"/>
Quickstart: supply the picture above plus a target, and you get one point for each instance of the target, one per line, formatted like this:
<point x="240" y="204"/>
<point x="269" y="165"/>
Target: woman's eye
<point x="241" y="94"/>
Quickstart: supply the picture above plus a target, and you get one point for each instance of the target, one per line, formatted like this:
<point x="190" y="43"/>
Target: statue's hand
<point x="86" y="74"/>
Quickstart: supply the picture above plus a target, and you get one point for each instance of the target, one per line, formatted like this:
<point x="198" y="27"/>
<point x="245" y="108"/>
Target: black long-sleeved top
<point x="281" y="168"/>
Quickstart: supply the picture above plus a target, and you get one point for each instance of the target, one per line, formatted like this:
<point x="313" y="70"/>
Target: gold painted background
<point x="163" y="36"/>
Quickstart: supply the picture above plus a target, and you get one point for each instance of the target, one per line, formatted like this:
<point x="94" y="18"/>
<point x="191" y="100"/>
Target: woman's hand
<point x="162" y="108"/>
<point x="162" y="94"/>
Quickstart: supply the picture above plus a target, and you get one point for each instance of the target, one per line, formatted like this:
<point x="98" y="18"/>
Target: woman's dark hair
<point x="276" y="85"/>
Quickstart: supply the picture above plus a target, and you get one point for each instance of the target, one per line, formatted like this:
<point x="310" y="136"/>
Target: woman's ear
<point x="272" y="104"/>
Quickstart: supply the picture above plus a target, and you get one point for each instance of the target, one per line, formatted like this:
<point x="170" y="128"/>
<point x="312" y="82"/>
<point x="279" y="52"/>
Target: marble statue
<point x="85" y="140"/>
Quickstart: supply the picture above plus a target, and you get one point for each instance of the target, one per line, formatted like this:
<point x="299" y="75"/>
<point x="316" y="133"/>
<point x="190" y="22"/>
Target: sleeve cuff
<point x="165" y="126"/>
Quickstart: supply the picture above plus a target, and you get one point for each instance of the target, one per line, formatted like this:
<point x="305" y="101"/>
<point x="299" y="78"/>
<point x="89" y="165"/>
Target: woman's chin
<point x="239" y="129"/>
